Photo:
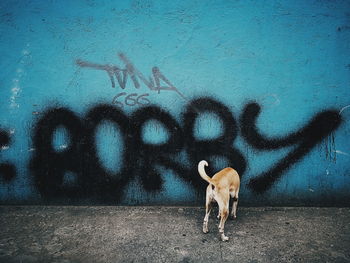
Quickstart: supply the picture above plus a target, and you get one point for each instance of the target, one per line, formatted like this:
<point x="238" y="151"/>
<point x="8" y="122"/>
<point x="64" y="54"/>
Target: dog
<point x="221" y="186"/>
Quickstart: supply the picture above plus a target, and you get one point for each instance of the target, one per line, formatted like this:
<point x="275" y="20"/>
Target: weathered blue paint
<point x="292" y="57"/>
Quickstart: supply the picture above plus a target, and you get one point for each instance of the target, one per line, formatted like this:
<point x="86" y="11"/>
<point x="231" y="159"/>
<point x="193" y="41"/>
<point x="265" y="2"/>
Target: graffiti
<point x="120" y="75"/>
<point x="304" y="140"/>
<point x="142" y="159"/>
<point x="131" y="99"/>
<point x="221" y="146"/>
<point x="7" y="170"/>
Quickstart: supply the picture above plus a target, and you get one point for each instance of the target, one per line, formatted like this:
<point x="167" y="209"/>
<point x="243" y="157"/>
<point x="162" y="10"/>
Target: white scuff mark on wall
<point x="276" y="101"/>
<point x="340" y="152"/>
<point x="25" y="52"/>
<point x="63" y="146"/>
<point x="344" y="108"/>
<point x="15" y="91"/>
<point x="5" y="148"/>
<point x="31" y="150"/>
<point x="327" y="172"/>
<point x="16" y="87"/>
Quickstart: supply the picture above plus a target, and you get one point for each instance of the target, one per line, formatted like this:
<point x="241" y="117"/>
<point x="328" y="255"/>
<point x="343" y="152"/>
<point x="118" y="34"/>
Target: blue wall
<point x="259" y="86"/>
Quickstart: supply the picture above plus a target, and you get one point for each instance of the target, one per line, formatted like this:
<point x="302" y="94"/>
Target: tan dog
<point x="221" y="186"/>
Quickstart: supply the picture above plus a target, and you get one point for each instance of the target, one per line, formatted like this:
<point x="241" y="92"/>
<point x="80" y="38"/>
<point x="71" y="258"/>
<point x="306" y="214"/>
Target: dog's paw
<point x="233" y="217"/>
<point x="205" y="228"/>
<point x="224" y="238"/>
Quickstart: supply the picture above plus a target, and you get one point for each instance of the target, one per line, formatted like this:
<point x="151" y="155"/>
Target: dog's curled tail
<point x="202" y="172"/>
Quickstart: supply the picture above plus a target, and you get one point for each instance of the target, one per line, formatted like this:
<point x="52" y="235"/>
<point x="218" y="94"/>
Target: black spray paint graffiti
<point x="305" y="139"/>
<point x="143" y="159"/>
<point x="121" y="75"/>
<point x="7" y="170"/>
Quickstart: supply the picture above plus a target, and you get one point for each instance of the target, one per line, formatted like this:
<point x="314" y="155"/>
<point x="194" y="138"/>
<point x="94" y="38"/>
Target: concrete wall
<point x="106" y="102"/>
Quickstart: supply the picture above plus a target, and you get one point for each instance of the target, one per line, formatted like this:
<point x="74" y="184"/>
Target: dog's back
<point x="227" y="177"/>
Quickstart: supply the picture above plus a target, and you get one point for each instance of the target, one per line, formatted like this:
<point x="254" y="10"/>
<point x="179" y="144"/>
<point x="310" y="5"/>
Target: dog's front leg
<point x="234" y="208"/>
<point x="234" y="195"/>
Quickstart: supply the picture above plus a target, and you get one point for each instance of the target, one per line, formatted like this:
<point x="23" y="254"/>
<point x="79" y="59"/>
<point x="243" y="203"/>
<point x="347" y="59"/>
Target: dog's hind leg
<point x="224" y="214"/>
<point x="208" y="207"/>
<point x="234" y="195"/>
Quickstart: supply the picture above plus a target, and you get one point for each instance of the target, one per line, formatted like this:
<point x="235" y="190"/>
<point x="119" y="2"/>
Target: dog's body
<point x="221" y="186"/>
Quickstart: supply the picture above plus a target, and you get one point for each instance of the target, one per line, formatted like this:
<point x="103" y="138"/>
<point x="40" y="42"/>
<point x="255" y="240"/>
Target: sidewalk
<point x="172" y="234"/>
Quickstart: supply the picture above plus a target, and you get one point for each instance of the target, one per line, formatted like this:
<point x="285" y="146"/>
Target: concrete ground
<point x="172" y="234"/>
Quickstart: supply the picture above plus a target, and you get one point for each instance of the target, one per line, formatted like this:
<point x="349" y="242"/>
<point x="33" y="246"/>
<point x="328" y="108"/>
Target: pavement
<point x="172" y="234"/>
